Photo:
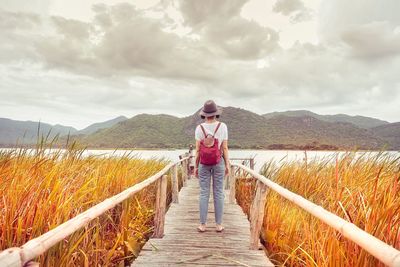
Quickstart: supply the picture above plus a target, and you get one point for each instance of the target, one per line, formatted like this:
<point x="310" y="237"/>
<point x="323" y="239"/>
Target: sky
<point x="78" y="62"/>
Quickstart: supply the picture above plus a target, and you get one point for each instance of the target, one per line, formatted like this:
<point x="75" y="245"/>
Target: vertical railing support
<point x="257" y="215"/>
<point x="175" y="185"/>
<point x="125" y="227"/>
<point x="252" y="163"/>
<point x="188" y="176"/>
<point x="161" y="203"/>
<point x="232" y="186"/>
<point x="184" y="172"/>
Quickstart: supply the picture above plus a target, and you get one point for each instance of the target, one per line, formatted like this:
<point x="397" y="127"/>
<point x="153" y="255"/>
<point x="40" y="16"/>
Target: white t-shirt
<point x="221" y="135"/>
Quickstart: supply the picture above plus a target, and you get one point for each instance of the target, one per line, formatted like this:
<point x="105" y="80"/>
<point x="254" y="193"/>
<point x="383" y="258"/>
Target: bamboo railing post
<point x="175" y="185"/>
<point x="232" y="186"/>
<point x="257" y="215"/>
<point x="184" y="172"/>
<point x="188" y="167"/>
<point x="161" y="203"/>
<point x="252" y="163"/>
<point x="125" y="227"/>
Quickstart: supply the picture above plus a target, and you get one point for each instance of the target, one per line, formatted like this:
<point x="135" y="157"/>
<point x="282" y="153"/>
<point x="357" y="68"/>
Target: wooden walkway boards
<point x="182" y="245"/>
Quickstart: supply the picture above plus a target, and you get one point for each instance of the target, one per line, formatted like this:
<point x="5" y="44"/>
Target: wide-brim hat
<point x="210" y="109"/>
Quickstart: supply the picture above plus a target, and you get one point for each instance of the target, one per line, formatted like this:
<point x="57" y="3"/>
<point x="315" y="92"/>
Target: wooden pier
<point x="176" y="241"/>
<point x="182" y="245"/>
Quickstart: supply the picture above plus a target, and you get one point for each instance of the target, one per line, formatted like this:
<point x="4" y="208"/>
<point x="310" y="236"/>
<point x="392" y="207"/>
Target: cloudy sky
<point x="77" y="62"/>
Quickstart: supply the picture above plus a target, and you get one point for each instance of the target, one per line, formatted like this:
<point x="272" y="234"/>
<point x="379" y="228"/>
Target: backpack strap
<point x="204" y="131"/>
<point x="216" y="129"/>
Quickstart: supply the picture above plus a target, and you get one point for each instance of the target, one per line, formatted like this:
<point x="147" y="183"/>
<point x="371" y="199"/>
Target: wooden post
<point x="257" y="215"/>
<point x="232" y="186"/>
<point x="125" y="227"/>
<point x="161" y="203"/>
<point x="184" y="172"/>
<point x="252" y="163"/>
<point x="175" y="185"/>
<point x="188" y="167"/>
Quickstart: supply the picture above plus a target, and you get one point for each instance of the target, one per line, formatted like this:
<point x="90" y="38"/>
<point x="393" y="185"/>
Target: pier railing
<point x="24" y="255"/>
<point x="379" y="249"/>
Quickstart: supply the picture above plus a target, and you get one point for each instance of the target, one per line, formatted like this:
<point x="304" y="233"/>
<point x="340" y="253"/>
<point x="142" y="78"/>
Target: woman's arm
<point x="196" y="166"/>
<point x="226" y="157"/>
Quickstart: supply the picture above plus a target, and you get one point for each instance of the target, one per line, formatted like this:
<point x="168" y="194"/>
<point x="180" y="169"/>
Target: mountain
<point x="246" y="130"/>
<point x="390" y="133"/>
<point x="101" y="125"/>
<point x="25" y="132"/>
<point x="359" y="121"/>
<point x="278" y="130"/>
<point x="310" y="131"/>
<point x="143" y="131"/>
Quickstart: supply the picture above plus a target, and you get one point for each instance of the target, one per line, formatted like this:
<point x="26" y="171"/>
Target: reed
<point x="362" y="189"/>
<point x="42" y="189"/>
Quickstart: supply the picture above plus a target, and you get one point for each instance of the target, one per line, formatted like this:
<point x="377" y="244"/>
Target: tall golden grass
<point x="364" y="190"/>
<point x="40" y="191"/>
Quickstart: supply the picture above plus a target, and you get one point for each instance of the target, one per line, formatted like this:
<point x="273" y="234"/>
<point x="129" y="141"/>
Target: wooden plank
<point x="202" y="258"/>
<point x="183" y="245"/>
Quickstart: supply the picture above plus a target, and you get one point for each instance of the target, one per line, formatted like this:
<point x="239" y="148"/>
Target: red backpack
<point x="210" y="154"/>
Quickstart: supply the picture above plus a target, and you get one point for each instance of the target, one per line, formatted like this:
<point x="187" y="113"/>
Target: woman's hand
<point x="227" y="170"/>
<point x="196" y="172"/>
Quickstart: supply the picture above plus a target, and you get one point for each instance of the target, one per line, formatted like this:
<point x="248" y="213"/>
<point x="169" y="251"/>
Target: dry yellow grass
<point x="39" y="192"/>
<point x="364" y="190"/>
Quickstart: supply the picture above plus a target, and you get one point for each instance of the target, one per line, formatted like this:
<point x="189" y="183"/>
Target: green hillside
<point x="246" y="130"/>
<point x="101" y="125"/>
<point x="143" y="131"/>
<point x="287" y="130"/>
<point x="359" y="121"/>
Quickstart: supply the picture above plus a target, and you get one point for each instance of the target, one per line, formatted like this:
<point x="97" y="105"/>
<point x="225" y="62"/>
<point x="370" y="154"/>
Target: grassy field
<point x="363" y="190"/>
<point x="39" y="192"/>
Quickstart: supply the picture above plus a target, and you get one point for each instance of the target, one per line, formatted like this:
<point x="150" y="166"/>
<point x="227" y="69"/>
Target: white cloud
<point x="376" y="40"/>
<point x="222" y="28"/>
<point x="295" y="9"/>
<point x="31" y="6"/>
<point x="124" y="60"/>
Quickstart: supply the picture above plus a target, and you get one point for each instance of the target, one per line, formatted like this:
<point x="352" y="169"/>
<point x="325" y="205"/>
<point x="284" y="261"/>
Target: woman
<point x="211" y="127"/>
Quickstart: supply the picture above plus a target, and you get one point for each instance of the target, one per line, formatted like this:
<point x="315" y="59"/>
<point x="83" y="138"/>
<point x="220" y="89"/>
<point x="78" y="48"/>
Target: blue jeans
<point x="217" y="172"/>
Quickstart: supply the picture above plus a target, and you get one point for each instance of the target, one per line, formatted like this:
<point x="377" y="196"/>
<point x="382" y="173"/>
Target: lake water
<point x="260" y="156"/>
